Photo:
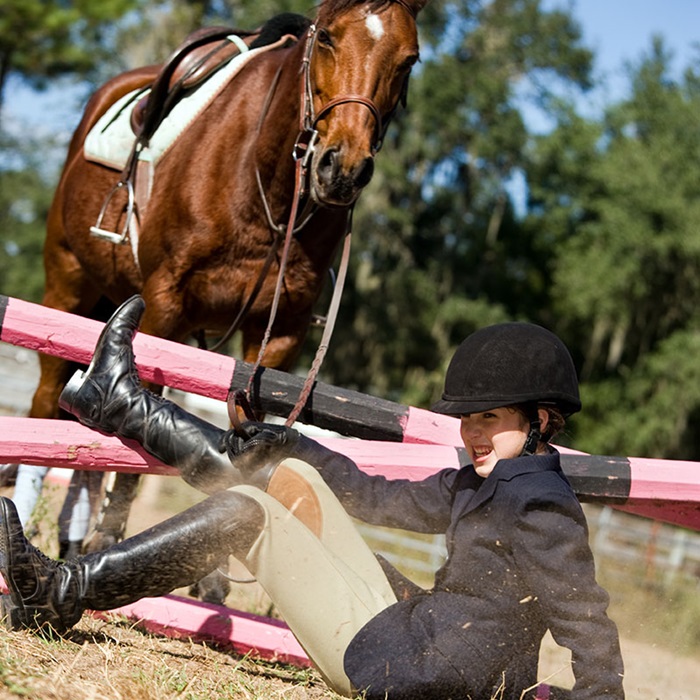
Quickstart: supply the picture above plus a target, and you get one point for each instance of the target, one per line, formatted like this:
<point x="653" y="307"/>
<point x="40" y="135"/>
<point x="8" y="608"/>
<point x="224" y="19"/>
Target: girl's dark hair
<point x="555" y="424"/>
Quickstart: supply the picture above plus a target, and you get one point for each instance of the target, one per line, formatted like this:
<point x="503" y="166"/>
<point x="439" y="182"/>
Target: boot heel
<point x="14" y="617"/>
<point x="70" y="392"/>
<point x="10" y="614"/>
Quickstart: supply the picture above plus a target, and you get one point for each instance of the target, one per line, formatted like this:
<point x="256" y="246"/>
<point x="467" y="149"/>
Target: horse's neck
<point x="284" y="95"/>
<point x="279" y="125"/>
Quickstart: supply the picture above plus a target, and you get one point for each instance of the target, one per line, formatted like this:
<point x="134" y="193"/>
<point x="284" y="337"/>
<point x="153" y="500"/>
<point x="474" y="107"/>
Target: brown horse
<point x="205" y="236"/>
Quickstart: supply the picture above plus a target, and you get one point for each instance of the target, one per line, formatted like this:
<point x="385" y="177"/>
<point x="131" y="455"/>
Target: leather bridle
<point x="302" y="154"/>
<point x="309" y="119"/>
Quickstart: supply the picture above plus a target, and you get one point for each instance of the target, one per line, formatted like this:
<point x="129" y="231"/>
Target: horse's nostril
<point x="365" y="172"/>
<point x="328" y="165"/>
<point x="329" y="168"/>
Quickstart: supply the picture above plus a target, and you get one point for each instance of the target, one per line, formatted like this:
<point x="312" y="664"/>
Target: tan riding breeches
<point x="318" y="571"/>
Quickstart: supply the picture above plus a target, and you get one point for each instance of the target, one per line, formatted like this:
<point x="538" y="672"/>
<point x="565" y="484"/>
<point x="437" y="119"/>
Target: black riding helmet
<point x="507" y="364"/>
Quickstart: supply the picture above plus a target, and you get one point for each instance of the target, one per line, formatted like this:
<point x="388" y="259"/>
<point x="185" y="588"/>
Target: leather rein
<point x="302" y="153"/>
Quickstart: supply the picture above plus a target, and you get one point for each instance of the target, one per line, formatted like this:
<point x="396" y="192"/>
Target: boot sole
<point x="12" y="607"/>
<point x="13" y="618"/>
<point x="15" y="612"/>
<point x="70" y="392"/>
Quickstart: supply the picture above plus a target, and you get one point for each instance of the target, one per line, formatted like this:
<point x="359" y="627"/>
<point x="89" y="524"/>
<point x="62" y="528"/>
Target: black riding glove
<point x="260" y="444"/>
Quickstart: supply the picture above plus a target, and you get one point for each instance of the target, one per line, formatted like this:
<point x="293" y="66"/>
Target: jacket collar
<point x="507" y="469"/>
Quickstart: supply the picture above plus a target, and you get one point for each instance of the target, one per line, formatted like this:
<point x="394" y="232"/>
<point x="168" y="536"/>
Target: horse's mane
<point x="330" y="9"/>
<point x="296" y="24"/>
<point x="279" y="25"/>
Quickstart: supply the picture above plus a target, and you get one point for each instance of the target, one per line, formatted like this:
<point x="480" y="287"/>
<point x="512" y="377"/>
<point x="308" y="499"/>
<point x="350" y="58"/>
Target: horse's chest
<point x="233" y="282"/>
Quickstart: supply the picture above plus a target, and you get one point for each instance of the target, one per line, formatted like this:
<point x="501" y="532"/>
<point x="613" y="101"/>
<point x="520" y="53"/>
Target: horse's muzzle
<point x="336" y="182"/>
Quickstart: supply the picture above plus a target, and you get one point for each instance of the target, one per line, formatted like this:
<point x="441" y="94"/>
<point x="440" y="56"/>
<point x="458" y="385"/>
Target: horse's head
<point x="359" y="55"/>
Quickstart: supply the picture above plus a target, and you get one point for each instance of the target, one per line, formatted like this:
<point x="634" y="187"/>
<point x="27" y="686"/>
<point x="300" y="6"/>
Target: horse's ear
<point x="417" y="5"/>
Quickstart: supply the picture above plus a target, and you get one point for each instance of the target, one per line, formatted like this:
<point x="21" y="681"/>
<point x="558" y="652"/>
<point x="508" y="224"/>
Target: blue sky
<point x="618" y="31"/>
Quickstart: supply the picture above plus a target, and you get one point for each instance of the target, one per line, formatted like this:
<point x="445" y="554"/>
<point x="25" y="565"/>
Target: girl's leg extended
<point x="322" y="577"/>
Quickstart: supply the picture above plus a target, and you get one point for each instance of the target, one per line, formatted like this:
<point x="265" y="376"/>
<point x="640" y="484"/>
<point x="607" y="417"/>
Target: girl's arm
<point x="552" y="548"/>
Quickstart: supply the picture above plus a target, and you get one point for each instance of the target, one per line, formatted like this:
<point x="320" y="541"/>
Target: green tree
<point x="44" y="39"/>
<point x="152" y="34"/>
<point x="438" y="251"/>
<point x="25" y="196"/>
<point x="620" y="201"/>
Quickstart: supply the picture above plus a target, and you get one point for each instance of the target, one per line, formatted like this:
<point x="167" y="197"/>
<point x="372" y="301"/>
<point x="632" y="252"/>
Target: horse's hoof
<point x="213" y="588"/>
<point x="8" y="475"/>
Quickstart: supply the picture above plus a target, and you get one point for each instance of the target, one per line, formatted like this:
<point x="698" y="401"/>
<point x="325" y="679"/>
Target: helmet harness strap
<point x="534" y="434"/>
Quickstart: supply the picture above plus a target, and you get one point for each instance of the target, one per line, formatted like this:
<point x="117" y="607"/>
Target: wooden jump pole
<point x="662" y="489"/>
<point x="214" y="375"/>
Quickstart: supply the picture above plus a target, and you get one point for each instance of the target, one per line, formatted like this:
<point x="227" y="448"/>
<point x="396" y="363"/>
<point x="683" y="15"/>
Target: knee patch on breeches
<point x="298" y="496"/>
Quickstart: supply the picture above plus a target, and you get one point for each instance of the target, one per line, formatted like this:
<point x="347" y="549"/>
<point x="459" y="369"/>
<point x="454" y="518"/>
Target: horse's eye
<point x="324" y="38"/>
<point x="409" y="63"/>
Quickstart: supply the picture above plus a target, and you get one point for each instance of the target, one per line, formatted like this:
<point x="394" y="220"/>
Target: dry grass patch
<point x="110" y="660"/>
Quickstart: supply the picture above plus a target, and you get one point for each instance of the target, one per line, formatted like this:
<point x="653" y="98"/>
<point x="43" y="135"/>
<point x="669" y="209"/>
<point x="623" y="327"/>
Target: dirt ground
<point x="651" y="672"/>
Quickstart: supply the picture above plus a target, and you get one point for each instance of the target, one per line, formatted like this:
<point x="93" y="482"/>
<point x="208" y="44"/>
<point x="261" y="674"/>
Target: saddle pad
<point x="111" y="140"/>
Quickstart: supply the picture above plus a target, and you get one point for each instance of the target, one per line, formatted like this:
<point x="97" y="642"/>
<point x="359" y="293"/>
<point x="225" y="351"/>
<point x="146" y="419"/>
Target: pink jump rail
<point x="663" y="489"/>
<point x="179" y="366"/>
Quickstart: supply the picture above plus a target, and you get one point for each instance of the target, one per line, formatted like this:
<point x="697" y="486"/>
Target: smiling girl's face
<point x="499" y="433"/>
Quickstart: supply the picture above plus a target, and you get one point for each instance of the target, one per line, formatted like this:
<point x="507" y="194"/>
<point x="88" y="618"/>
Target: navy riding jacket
<point x="518" y="563"/>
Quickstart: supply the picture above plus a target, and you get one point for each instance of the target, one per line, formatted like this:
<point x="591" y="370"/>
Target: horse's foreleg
<point x="118" y="493"/>
<point x="67" y="289"/>
<point x="283" y="347"/>
<point x="54" y="373"/>
<point x="29" y="480"/>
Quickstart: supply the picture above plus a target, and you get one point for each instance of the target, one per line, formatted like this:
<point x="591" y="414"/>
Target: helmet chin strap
<point x="534" y="434"/>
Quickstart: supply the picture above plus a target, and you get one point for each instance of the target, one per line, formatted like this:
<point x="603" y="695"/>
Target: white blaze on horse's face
<point x="358" y="70"/>
<point x="374" y="26"/>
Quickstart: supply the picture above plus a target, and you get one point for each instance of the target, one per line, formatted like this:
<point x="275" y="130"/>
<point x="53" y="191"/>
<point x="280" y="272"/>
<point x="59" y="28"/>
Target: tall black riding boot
<point x="174" y="553"/>
<point x="108" y="396"/>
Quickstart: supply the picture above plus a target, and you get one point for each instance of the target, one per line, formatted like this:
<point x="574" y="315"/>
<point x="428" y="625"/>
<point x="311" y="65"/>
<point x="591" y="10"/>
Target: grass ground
<point x="110" y="660"/>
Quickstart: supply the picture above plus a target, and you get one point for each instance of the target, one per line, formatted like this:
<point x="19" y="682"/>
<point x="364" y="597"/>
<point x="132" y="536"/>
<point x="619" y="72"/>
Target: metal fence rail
<point x="663" y="551"/>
